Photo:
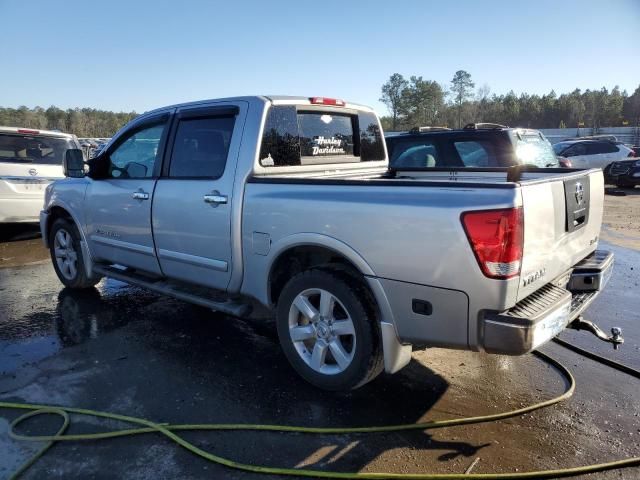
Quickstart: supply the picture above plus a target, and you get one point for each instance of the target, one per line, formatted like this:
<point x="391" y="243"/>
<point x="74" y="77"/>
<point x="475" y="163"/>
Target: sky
<point x="138" y="54"/>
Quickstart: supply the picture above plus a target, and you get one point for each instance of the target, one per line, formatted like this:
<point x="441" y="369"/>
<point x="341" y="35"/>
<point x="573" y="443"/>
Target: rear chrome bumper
<point x="544" y="314"/>
<point x="20" y="209"/>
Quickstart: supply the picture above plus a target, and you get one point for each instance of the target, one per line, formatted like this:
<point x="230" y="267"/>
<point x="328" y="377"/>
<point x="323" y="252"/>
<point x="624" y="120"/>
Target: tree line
<point x="416" y="102"/>
<point x="83" y="122"/>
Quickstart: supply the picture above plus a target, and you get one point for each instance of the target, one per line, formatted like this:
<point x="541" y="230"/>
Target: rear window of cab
<point x="294" y="136"/>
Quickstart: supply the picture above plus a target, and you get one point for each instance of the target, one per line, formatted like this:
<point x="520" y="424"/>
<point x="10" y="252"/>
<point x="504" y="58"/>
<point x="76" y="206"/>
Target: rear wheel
<point x="328" y="330"/>
<point x="66" y="255"/>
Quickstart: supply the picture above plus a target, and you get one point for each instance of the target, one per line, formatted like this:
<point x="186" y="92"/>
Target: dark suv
<point x="476" y="145"/>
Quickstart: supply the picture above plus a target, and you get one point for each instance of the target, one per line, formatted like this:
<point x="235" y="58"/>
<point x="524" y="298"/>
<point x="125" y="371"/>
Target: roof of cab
<point x="274" y="99"/>
<point x="34" y="131"/>
<point x="460" y="132"/>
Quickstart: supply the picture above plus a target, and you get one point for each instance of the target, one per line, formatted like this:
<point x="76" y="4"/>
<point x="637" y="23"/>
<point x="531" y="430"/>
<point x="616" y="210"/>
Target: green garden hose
<point x="146" y="426"/>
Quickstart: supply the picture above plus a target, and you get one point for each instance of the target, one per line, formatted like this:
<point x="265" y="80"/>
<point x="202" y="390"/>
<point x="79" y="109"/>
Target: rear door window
<point x="576" y="150"/>
<point x="612" y="148"/>
<point x="476" y="153"/>
<point x="415" y="154"/>
<point x="593" y="149"/>
<point x="310" y="137"/>
<point x="606" y="147"/>
<point x="201" y="147"/>
<point x="41" y="150"/>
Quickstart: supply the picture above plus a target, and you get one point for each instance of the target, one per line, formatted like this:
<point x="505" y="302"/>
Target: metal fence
<point x="628" y="135"/>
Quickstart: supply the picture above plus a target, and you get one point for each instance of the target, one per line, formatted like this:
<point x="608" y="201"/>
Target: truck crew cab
<point x="288" y="202"/>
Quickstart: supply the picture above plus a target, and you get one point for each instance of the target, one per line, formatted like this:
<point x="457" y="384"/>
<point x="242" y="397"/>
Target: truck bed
<point x="414" y="234"/>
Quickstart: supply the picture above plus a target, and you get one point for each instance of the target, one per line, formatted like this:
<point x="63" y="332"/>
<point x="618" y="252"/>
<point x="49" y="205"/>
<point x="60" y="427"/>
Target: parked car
<point x="29" y="161"/>
<point x="484" y="145"/>
<point x="288" y="204"/>
<point x="96" y="151"/>
<point x="592" y="153"/>
<point x="624" y="173"/>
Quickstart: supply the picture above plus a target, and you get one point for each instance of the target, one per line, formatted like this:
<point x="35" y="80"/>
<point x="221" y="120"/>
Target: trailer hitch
<point x="616" y="332"/>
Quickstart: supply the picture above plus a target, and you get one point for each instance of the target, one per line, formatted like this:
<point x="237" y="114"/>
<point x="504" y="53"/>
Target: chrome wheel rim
<point x="66" y="256"/>
<point x="322" y="331"/>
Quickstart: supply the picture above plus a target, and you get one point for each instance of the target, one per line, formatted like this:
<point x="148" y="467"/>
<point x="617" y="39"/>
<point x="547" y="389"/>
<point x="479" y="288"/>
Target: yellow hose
<point x="146" y="426"/>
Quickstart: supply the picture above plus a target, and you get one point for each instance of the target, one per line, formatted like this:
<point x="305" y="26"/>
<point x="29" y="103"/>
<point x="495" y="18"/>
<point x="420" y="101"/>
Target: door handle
<point x="215" y="198"/>
<point x="140" y="195"/>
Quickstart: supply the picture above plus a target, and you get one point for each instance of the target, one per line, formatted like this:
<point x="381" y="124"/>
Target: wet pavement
<point x="121" y="349"/>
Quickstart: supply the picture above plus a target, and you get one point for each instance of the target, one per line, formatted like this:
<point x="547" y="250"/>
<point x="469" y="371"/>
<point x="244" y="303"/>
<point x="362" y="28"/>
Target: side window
<point x="609" y="147"/>
<point x="371" y="141"/>
<point x="136" y="155"/>
<point x="594" y="148"/>
<point x="201" y="147"/>
<point x="476" y="153"/>
<point x="415" y="155"/>
<point x="280" y="140"/>
<point x="576" y="150"/>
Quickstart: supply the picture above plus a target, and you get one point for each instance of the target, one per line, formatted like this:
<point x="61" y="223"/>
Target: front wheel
<point x="66" y="255"/>
<point x="328" y="330"/>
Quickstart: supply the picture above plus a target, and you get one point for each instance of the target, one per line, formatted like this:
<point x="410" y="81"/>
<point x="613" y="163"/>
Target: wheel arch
<point x="396" y="355"/>
<point x="305" y="251"/>
<point x="61" y="210"/>
<point x="55" y="212"/>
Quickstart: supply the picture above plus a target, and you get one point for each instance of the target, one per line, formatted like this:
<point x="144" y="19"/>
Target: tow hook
<point x="616" y="332"/>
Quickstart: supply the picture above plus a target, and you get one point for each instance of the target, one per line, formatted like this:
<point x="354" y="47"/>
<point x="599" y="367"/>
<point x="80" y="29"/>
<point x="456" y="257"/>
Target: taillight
<point x="496" y="237"/>
<point x="632" y="154"/>
<point x="26" y="130"/>
<point x="327" y="101"/>
<point x="564" y="162"/>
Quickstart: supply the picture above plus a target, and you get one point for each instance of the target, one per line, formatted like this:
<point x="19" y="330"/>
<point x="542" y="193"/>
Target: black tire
<point x="366" y="347"/>
<point x="76" y="278"/>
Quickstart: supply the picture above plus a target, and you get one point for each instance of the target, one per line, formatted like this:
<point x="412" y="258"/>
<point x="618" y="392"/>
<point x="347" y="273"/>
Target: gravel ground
<point x="621" y="223"/>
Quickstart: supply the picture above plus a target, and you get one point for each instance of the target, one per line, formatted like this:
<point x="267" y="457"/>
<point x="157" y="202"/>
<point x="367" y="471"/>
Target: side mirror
<point x="73" y="164"/>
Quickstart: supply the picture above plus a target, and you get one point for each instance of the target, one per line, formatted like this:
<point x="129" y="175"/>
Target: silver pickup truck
<point x="288" y="203"/>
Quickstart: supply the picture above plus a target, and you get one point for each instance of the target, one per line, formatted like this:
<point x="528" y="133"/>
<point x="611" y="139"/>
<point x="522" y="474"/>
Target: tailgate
<point x="562" y="220"/>
<point x="26" y="179"/>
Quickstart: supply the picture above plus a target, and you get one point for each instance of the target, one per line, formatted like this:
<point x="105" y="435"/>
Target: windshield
<point x="34" y="149"/>
<point x="535" y="149"/>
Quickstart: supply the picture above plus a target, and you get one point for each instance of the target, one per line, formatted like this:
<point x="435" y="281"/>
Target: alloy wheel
<point x="322" y="331"/>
